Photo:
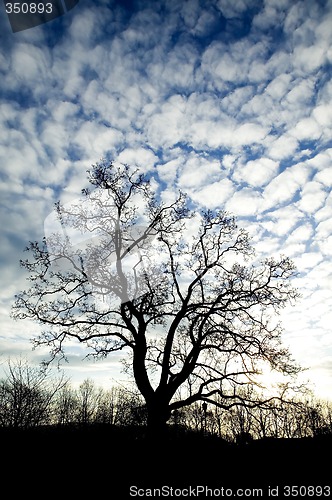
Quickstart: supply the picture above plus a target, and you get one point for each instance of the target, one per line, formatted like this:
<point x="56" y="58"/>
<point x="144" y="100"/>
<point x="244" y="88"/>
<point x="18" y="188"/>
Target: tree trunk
<point x="157" y="422"/>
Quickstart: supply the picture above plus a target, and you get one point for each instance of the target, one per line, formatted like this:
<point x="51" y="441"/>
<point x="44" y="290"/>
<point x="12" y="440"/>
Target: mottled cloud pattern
<point x="228" y="101"/>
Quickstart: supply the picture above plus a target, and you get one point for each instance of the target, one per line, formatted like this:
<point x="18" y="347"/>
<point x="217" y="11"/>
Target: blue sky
<point x="231" y="101"/>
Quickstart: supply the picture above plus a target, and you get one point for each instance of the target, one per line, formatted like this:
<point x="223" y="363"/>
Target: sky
<point x="230" y="101"/>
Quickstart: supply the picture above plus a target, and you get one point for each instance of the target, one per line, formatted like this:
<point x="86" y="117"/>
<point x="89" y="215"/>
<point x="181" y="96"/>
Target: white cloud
<point x="281" y="221"/>
<point x="326" y="211"/>
<point x="244" y="203"/>
<point x="213" y="195"/>
<point x="312" y="197"/>
<point x="233" y="101"/>
<point x="323" y="115"/>
<point x="249" y="133"/>
<point x="324" y="229"/>
<point x="222" y="113"/>
<point x="279" y="86"/>
<point x="29" y="64"/>
<point x="83" y="26"/>
<point x="168" y="125"/>
<point x="283" y="147"/>
<point x="96" y="139"/>
<point x="197" y="172"/>
<point x="321" y="161"/>
<point x="55" y="138"/>
<point x="298" y="100"/>
<point x="234" y="9"/>
<point x="226" y="134"/>
<point x="294" y="18"/>
<point x="64" y="111"/>
<point x="324" y="177"/>
<point x="142" y="158"/>
<point x="256" y="173"/>
<point x="267" y="247"/>
<point x="168" y="171"/>
<point x="307" y="261"/>
<point x="212" y="134"/>
<point x="309" y="59"/>
<point x="300" y="234"/>
<point x="224" y="64"/>
<point x="307" y="128"/>
<point x="283" y="187"/>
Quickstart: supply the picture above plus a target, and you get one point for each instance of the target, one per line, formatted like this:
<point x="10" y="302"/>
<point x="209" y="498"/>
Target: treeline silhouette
<point x="31" y="397"/>
<point x="88" y="440"/>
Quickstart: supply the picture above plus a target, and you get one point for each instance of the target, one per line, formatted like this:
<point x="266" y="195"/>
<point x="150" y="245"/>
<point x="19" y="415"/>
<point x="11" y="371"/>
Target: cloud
<point x="302" y="233"/>
<point x="326" y="211"/>
<point x="235" y="9"/>
<point x="167" y="172"/>
<point x="246" y="202"/>
<point x="273" y="14"/>
<point x="281" y="221"/>
<point x="214" y="195"/>
<point x="29" y="62"/>
<point x="142" y="158"/>
<point x="229" y="101"/>
<point x="282" y="147"/>
<point x="197" y="172"/>
<point x="323" y="115"/>
<point x="306" y="129"/>
<point x="324" y="229"/>
<point x="256" y="173"/>
<point x="279" y="86"/>
<point x="307" y="261"/>
<point x="283" y="188"/>
<point x="309" y="59"/>
<point x="312" y="197"/>
<point x="167" y="126"/>
<point x="93" y="138"/>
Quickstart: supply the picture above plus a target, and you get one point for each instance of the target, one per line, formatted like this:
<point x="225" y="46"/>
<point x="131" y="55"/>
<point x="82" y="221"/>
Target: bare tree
<point x="27" y="395"/>
<point x="66" y="403"/>
<point x="108" y="404"/>
<point x="195" y="312"/>
<point x="88" y="398"/>
<point x="112" y="407"/>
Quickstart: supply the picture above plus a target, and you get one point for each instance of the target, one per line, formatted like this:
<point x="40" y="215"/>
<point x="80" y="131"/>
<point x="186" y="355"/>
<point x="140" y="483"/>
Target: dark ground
<point x="104" y="462"/>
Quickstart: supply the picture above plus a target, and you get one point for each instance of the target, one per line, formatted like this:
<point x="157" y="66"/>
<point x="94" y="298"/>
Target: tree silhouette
<point x="27" y="395"/>
<point x="177" y="287"/>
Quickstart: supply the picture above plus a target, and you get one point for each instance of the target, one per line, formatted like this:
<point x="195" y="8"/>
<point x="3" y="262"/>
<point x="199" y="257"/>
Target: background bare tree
<point x="122" y="407"/>
<point x="27" y="395"/>
<point x="65" y="406"/>
<point x="88" y="399"/>
<point x="196" y="317"/>
<point x="89" y="404"/>
<point x="30" y="397"/>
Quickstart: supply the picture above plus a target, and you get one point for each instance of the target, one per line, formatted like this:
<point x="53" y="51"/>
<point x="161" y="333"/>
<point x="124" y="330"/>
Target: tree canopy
<point x="178" y="288"/>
